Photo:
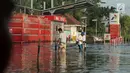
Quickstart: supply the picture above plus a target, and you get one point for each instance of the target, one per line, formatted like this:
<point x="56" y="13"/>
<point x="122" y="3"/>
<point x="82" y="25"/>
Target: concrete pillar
<point x="44" y="4"/>
<point x="52" y="3"/>
<point x="31" y="7"/>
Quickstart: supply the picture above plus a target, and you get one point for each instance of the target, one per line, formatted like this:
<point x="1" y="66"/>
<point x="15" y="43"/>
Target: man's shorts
<point x="80" y="46"/>
<point x="63" y="45"/>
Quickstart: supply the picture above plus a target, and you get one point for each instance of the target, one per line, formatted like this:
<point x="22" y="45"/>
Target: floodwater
<point x="97" y="59"/>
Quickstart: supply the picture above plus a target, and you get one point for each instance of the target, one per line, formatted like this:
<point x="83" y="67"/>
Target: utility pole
<point x="85" y="25"/>
<point x="95" y="20"/>
<point x="85" y="22"/>
<point x="96" y="28"/>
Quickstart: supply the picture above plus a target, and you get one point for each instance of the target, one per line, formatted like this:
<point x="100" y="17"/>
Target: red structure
<point x="31" y="28"/>
<point x="49" y="25"/>
<point x="26" y="28"/>
<point x="114" y="31"/>
<point x="16" y="27"/>
<point x="115" y="28"/>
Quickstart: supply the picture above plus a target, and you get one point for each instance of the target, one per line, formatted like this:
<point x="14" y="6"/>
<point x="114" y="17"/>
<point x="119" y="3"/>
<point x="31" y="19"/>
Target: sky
<point x="115" y="2"/>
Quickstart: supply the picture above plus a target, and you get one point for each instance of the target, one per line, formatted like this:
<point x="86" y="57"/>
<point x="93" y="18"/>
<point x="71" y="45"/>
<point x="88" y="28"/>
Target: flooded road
<point x="96" y="59"/>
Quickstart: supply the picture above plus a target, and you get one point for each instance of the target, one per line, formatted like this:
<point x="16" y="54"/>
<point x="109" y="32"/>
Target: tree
<point x="125" y="25"/>
<point x="98" y="13"/>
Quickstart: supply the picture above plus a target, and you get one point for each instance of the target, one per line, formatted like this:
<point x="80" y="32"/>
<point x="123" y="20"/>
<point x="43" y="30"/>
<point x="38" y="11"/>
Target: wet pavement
<point x="98" y="58"/>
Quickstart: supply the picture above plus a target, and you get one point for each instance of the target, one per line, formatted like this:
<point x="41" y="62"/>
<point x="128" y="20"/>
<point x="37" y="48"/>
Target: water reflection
<point x="46" y="58"/>
<point x="60" y="62"/>
<point x="29" y="57"/>
<point x="62" y="59"/>
<point x="16" y="60"/>
<point x="114" y="59"/>
<point x="24" y="58"/>
<point x="80" y="60"/>
<point x="96" y="59"/>
<point x="104" y="60"/>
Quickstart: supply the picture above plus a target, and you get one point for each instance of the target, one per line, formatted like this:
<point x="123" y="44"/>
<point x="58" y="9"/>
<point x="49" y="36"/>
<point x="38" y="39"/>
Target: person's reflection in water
<point x="114" y="60"/>
<point x="80" y="59"/>
<point x="62" y="60"/>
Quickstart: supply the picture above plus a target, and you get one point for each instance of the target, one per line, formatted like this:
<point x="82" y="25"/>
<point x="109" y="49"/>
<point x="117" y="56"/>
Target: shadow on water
<point x="98" y="58"/>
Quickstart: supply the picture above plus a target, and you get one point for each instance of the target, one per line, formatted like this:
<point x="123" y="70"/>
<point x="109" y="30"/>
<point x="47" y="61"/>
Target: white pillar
<point x="44" y="4"/>
<point x="52" y="3"/>
<point x="31" y="7"/>
<point x="31" y="4"/>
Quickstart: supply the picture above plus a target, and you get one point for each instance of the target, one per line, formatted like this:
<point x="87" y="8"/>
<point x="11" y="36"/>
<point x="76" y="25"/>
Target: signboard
<point x="121" y="7"/>
<point x="114" y="25"/>
<point x="114" y="18"/>
<point x="114" y="31"/>
<point x="107" y="37"/>
<point x="60" y="18"/>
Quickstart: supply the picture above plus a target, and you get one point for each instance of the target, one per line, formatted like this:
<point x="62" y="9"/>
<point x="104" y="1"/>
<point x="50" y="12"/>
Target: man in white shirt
<point x="62" y="40"/>
<point x="84" y="41"/>
<point x="80" y="42"/>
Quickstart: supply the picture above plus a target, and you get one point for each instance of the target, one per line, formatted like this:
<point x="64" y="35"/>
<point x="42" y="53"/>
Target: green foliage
<point x="125" y="25"/>
<point x="98" y="13"/>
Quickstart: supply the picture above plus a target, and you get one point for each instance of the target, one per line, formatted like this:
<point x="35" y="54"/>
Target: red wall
<point x="32" y="28"/>
<point x="16" y="27"/>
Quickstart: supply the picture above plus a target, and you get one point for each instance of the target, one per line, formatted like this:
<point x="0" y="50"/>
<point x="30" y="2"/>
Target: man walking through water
<point x="62" y="40"/>
<point x="80" y="42"/>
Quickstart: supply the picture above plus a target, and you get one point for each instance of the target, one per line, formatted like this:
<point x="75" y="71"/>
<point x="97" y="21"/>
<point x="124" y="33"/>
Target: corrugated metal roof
<point x="71" y="20"/>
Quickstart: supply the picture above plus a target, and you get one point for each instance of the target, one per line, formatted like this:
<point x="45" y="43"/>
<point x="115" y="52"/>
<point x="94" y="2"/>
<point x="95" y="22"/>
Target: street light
<point x="95" y="20"/>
